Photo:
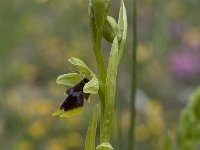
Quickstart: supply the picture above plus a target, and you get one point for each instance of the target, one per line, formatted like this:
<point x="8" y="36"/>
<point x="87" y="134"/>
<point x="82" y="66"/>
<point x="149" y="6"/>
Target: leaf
<point x="188" y="129"/>
<point x="110" y="89"/>
<point x="104" y="146"/>
<point x="91" y="132"/>
<point x="92" y="86"/>
<point x="69" y="79"/>
<point x="82" y="67"/>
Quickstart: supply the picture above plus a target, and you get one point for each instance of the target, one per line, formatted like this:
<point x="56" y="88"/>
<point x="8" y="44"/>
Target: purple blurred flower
<point x="185" y="64"/>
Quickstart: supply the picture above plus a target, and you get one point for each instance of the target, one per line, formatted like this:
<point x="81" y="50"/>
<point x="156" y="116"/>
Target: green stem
<point x="119" y="121"/>
<point x="100" y="64"/>
<point x="134" y="81"/>
<point x="110" y="88"/>
<point x="102" y="77"/>
<point x="91" y="132"/>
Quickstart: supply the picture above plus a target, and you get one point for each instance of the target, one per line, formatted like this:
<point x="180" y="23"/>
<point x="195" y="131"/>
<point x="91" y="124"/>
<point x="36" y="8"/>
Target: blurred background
<point x="37" y="37"/>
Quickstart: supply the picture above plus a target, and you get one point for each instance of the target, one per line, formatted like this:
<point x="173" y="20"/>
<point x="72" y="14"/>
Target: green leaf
<point x="91" y="132"/>
<point x="110" y="90"/>
<point x="188" y="129"/>
<point x="104" y="146"/>
<point x="81" y="66"/>
<point x="69" y="79"/>
<point x="92" y="86"/>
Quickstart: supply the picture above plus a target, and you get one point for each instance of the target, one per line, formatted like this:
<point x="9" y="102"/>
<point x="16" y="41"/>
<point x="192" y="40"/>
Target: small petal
<point x="72" y="112"/>
<point x="82" y="67"/>
<point x="69" y="79"/>
<point x="92" y="86"/>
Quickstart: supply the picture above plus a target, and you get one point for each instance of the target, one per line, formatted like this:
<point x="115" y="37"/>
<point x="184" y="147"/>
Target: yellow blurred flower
<point x="32" y="23"/>
<point x="192" y="37"/>
<point x="13" y="98"/>
<point x="29" y="72"/>
<point x="74" y="121"/>
<point x="142" y="132"/>
<point x="54" y="144"/>
<point x="151" y="73"/>
<point x="25" y="145"/>
<point x="38" y="107"/>
<point x="176" y="9"/>
<point x="54" y="88"/>
<point x="144" y="53"/>
<point x="153" y="113"/>
<point x="74" y="140"/>
<point x="37" y="129"/>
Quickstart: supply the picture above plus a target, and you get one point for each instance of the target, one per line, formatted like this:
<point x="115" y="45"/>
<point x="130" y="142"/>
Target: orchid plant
<point x="83" y="82"/>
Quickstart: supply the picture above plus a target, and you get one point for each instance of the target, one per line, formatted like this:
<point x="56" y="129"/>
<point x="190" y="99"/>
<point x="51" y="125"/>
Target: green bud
<point x="110" y="29"/>
<point x="104" y="146"/>
<point x="122" y="27"/>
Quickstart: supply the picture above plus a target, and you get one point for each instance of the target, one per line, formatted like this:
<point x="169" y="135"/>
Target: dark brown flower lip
<point x="75" y="96"/>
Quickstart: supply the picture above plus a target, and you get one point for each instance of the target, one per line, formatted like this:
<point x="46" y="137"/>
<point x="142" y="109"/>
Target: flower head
<point x="83" y="82"/>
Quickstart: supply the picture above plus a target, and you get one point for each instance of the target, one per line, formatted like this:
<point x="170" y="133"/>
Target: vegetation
<point x="38" y="36"/>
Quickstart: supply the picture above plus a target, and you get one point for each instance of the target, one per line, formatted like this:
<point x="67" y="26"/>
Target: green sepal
<point x="92" y="86"/>
<point x="104" y="146"/>
<point x="69" y="79"/>
<point x="81" y="66"/>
